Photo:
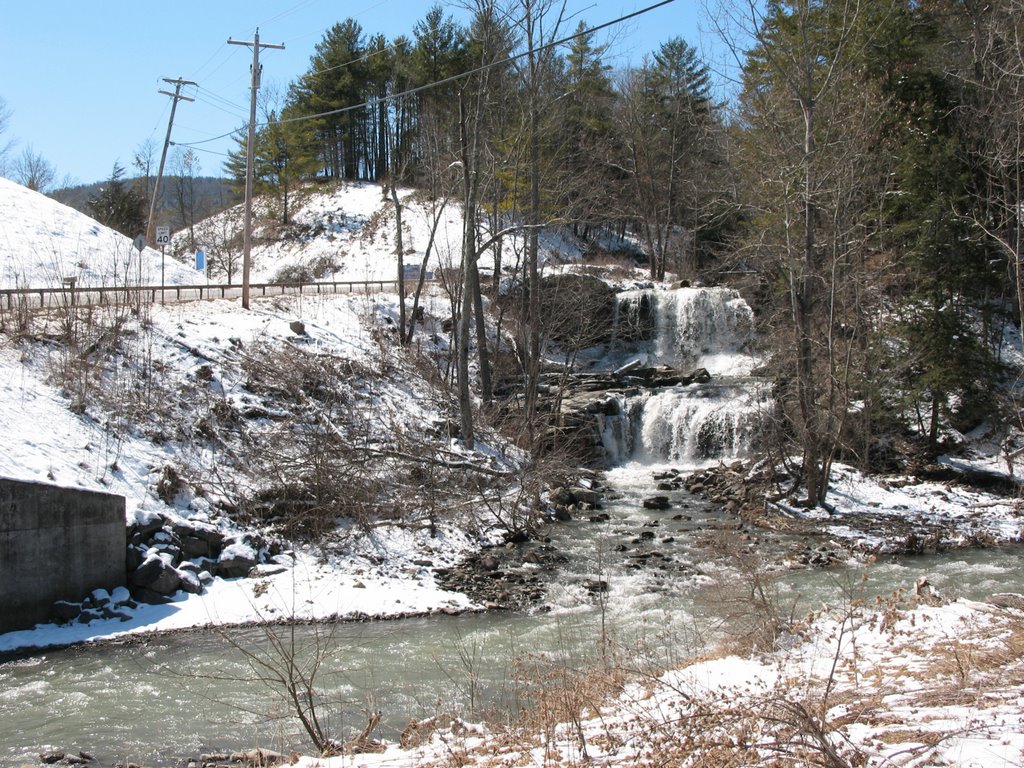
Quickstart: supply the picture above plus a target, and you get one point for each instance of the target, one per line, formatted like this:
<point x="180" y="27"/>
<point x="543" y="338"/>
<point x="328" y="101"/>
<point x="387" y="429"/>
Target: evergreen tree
<point x="587" y="135"/>
<point x="336" y="80"/>
<point x="948" y="280"/>
<point x="669" y="125"/>
<point x="119" y="205"/>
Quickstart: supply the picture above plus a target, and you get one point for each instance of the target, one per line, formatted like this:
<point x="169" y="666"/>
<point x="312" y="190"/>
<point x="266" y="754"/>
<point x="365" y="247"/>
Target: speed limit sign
<point x="163" y="235"/>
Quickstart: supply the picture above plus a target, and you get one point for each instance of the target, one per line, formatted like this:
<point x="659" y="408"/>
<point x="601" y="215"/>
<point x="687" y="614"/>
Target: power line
<point x="201" y="149"/>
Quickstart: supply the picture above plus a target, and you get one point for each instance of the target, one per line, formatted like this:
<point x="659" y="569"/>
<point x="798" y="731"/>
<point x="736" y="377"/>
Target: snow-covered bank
<point x="886" y="685"/>
<point x="345" y="589"/>
<point x="43" y="242"/>
<point x="201" y="351"/>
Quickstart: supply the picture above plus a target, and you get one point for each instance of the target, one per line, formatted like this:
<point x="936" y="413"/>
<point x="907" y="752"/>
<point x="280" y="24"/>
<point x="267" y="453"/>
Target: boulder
<point x="146" y="524"/>
<point x="1013" y="600"/>
<point x="63" y="611"/>
<point x="155" y="575"/>
<point x="587" y="496"/>
<point x="189" y="582"/>
<point x="193" y="546"/>
<point x="657" y="502"/>
<point x="235" y="561"/>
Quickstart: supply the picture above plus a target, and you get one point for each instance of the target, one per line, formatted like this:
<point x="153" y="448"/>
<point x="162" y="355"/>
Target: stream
<point x="156" y="700"/>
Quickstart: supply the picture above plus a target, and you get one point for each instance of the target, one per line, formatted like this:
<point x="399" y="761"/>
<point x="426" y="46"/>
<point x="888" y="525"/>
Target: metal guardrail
<point x="67" y="296"/>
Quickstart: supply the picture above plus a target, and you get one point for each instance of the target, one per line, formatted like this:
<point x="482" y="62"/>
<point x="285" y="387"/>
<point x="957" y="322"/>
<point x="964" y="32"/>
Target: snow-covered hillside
<point x="43" y="242"/>
<point x="347" y="233"/>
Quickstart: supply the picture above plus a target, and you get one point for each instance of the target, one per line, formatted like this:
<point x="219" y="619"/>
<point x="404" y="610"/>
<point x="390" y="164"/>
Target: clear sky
<point x="82" y="79"/>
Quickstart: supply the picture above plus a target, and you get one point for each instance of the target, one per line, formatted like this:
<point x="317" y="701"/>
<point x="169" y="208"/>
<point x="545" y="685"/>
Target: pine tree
<point x="336" y="80"/>
<point x="668" y="123"/>
<point x="119" y="205"/>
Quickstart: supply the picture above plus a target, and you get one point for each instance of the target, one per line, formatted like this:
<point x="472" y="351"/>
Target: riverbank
<point x="907" y="681"/>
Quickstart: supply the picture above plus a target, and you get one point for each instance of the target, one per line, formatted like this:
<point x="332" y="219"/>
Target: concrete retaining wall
<point x="56" y="544"/>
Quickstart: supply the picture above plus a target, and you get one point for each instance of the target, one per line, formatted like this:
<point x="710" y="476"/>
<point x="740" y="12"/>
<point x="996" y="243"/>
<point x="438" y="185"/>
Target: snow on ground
<point x="877" y="514"/>
<point x="43" y="242"/>
<point x="378" y="575"/>
<point x="897" y="684"/>
<point x="347" y="233"/>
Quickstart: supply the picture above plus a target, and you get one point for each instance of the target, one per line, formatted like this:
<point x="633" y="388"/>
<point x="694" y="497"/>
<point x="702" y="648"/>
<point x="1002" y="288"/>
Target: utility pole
<point x="250" y="151"/>
<point x="176" y="97"/>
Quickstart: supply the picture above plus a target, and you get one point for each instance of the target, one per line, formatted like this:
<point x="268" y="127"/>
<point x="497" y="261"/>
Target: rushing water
<point x="156" y="700"/>
<point x="649" y="587"/>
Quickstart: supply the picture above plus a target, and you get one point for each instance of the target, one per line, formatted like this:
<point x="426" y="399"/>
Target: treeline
<point x="867" y="171"/>
<point x="184" y="200"/>
<point x="629" y="149"/>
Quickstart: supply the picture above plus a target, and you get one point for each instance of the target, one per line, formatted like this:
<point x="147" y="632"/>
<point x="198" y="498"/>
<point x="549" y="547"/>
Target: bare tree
<point x="185" y="166"/>
<point x="32" y="170"/>
<point x="8" y="145"/>
<point x="808" y="151"/>
<point x="996" y="70"/>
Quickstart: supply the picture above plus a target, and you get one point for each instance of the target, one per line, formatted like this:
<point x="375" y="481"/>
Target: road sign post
<point x="163" y="237"/>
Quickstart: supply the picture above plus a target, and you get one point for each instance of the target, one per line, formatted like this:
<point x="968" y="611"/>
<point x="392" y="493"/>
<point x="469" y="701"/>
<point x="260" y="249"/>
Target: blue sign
<point x="200" y="260"/>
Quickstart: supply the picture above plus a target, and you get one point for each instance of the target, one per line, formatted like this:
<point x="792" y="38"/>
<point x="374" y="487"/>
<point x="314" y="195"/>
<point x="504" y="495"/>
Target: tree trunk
<point x="468" y="256"/>
<point x="400" y="253"/>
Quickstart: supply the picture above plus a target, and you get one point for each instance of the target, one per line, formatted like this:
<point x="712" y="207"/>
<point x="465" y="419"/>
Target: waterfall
<point x="699" y="423"/>
<point x="687" y="329"/>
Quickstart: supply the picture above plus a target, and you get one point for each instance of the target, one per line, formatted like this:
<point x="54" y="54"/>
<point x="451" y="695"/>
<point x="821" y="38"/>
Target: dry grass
<point x="910" y="691"/>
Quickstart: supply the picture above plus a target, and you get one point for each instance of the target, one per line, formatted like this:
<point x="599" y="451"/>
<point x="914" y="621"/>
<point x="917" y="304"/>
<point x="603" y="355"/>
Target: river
<point x="156" y="700"/>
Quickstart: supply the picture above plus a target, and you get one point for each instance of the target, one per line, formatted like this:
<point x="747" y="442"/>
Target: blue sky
<point x="82" y="79"/>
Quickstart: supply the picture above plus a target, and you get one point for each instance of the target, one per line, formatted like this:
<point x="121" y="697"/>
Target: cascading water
<point x="687" y="329"/>
<point x="699" y="423"/>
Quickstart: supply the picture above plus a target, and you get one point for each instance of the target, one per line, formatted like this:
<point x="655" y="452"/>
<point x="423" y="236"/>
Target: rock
<point x="489" y="563"/>
<point x="1012" y="600"/>
<point x="134" y="557"/>
<point x="297" y="327"/>
<point x="560" y="496"/>
<point x="657" y="502"/>
<point x="264" y="570"/>
<point x="193" y="546"/>
<point x="64" y="611"/>
<point x="155" y="575"/>
<point x="235" y="562"/>
<point x="517" y="537"/>
<point x="146" y="524"/>
<point x="562" y="514"/>
<point x="189" y="581"/>
<point x="150" y="597"/>
<point x="49" y="758"/>
<point x="587" y="496"/>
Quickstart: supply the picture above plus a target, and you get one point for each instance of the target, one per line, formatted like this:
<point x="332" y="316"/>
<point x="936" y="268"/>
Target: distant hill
<point x="211" y="195"/>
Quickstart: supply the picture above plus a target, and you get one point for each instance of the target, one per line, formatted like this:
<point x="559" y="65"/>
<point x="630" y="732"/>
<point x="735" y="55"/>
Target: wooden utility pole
<point x="175" y="98"/>
<point x="250" y="151"/>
